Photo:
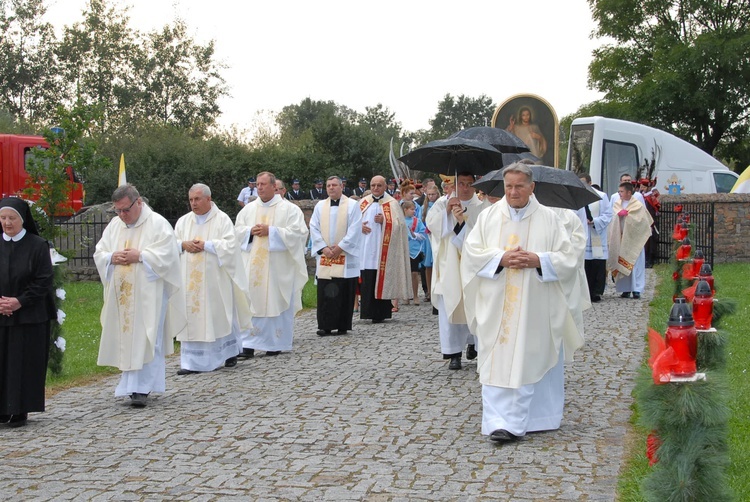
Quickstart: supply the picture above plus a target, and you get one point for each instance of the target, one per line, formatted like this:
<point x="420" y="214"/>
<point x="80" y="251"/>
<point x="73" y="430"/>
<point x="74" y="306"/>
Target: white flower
<point x="60" y="316"/>
<point x="60" y="292"/>
<point x="60" y="343"/>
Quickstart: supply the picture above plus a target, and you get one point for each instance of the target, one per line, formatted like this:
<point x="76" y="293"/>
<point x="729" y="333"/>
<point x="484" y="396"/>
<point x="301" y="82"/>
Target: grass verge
<point x="730" y="283"/>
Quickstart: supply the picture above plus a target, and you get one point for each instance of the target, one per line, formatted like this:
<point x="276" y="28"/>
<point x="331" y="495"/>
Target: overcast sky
<point x="404" y="54"/>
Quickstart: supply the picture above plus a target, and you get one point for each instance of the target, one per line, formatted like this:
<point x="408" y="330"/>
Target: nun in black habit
<point x="27" y="306"/>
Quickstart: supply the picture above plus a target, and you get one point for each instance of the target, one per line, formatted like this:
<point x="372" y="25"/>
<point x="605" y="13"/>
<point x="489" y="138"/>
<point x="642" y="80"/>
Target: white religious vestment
<point x="601" y="216"/>
<point x="144" y="309"/>
<point x="336" y="225"/>
<point x="386" y="248"/>
<point x="216" y="291"/>
<point x="627" y="235"/>
<point x="275" y="266"/>
<point x="522" y="320"/>
<point x="447" y="293"/>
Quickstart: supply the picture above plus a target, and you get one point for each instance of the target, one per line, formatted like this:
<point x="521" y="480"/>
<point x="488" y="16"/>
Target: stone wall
<point x="731" y="223"/>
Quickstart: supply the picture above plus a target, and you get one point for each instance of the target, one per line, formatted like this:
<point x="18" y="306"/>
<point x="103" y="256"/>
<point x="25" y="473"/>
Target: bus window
<point x="617" y="159"/>
<point x="579" y="151"/>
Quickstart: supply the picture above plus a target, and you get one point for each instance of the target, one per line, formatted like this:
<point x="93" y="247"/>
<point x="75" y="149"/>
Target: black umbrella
<point x="505" y="141"/>
<point x="553" y="187"/>
<point x="454" y="155"/>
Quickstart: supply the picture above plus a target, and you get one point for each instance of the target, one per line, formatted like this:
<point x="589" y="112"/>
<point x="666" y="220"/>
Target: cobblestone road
<point x="374" y="415"/>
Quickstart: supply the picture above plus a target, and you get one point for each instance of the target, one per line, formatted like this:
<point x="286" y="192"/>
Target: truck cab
<point x="15" y="151"/>
<point x="608" y="148"/>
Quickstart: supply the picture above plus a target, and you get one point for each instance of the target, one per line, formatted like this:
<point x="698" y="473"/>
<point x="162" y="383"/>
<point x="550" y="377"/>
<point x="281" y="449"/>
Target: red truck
<point x="15" y="150"/>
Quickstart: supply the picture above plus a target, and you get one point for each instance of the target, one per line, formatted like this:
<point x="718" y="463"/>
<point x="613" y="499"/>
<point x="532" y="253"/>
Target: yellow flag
<point x="123" y="179"/>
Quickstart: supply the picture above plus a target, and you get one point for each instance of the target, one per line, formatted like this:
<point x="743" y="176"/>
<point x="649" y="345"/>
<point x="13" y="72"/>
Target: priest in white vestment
<point x="335" y="232"/>
<point x="627" y="235"/>
<point x="144" y="309"/>
<point x="449" y="220"/>
<point x="272" y="235"/>
<point x="384" y="259"/>
<point x="215" y="286"/>
<point x="516" y="266"/>
<point x="598" y="217"/>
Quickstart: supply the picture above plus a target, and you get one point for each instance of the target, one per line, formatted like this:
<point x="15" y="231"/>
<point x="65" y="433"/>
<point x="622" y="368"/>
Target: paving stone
<point x="374" y="415"/>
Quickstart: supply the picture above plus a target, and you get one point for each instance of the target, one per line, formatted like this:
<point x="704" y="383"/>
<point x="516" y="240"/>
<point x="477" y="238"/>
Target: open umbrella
<point x="501" y="139"/>
<point x="454" y="155"/>
<point x="553" y="187"/>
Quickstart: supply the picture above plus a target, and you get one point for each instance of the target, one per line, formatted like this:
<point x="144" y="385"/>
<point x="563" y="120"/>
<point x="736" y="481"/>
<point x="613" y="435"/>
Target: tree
<point x="678" y="65"/>
<point x="459" y="113"/>
<point x="96" y="61"/>
<point x="29" y="85"/>
<point x="179" y="81"/>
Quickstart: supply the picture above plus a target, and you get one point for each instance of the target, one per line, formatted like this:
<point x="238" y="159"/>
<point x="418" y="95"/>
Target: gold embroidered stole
<point x="512" y="235"/>
<point x="125" y="285"/>
<point x="329" y="268"/>
<point x="195" y="281"/>
<point x="260" y="260"/>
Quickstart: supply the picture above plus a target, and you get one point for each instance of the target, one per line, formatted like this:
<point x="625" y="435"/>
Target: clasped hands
<point x="518" y="258"/>
<point x="194" y="246"/>
<point x="622" y="212"/>
<point x="8" y="305"/>
<point x="332" y="252"/>
<point x="126" y="256"/>
<point x="259" y="230"/>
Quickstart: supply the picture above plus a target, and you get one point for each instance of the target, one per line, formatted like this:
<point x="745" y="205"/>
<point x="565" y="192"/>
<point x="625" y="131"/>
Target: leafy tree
<point x="96" y="61"/>
<point x="179" y="80"/>
<point x="459" y="113"/>
<point x="678" y="65"/>
<point x="29" y="86"/>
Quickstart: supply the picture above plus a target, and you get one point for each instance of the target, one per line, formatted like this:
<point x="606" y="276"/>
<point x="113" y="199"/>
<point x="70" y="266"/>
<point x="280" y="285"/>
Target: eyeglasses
<point x="126" y="210"/>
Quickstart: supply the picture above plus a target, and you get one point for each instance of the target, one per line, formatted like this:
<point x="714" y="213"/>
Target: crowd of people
<point x="508" y="278"/>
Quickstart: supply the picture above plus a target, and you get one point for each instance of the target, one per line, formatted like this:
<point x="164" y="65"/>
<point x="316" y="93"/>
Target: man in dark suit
<point x="318" y="193"/>
<point x="346" y="190"/>
<point x="362" y="188"/>
<point x="295" y="193"/>
<point x="391" y="190"/>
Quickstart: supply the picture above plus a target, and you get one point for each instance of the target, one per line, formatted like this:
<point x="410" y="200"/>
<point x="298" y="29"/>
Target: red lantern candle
<point x="683" y="338"/>
<point x="707" y="275"/>
<point x="683" y="252"/>
<point x="698" y="260"/>
<point x="703" y="305"/>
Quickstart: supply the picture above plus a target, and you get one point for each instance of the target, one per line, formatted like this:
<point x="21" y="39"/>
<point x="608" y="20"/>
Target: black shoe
<point x="246" y="354"/>
<point x="625" y="295"/>
<point x="434" y="311"/>
<point x="231" y="362"/>
<point x="471" y="352"/>
<point x="455" y="363"/>
<point x="18" y="420"/>
<point x="636" y="295"/>
<point x="342" y="331"/>
<point x="503" y="436"/>
<point x="323" y="332"/>
<point x="183" y="371"/>
<point x="377" y="321"/>
<point x="138" y="400"/>
<point x="596" y="298"/>
<point x="273" y="352"/>
<point x="4" y="418"/>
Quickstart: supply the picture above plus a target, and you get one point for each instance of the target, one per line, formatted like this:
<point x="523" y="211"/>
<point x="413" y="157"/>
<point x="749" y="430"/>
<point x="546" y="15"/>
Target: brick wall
<point x="731" y="223"/>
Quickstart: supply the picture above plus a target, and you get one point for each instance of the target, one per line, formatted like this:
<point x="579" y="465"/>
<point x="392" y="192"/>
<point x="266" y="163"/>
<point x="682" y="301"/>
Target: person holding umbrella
<point x="516" y="265"/>
<point x="449" y="221"/>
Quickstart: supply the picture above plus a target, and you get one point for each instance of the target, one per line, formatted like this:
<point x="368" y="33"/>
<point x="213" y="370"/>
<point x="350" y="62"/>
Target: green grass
<point x="82" y="332"/>
<point x="730" y="283"/>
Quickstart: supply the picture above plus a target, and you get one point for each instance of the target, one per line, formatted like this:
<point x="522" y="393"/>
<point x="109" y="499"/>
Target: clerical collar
<point x="377" y="199"/>
<point x="519" y="212"/>
<point x="335" y="202"/>
<point x="16" y="237"/>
